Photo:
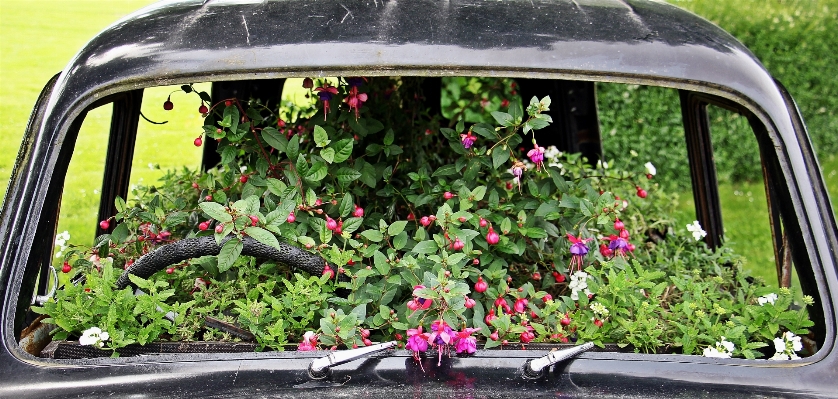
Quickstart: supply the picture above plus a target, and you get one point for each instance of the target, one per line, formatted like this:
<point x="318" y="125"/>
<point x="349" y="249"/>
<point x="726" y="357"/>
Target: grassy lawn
<point x="795" y="40"/>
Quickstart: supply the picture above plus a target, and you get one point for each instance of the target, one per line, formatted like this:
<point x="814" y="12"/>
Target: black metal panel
<point x="708" y="210"/>
<point x="123" y="136"/>
<point x="267" y="90"/>
<point x="575" y="126"/>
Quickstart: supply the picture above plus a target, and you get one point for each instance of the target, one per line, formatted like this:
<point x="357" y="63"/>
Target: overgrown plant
<point x="431" y="235"/>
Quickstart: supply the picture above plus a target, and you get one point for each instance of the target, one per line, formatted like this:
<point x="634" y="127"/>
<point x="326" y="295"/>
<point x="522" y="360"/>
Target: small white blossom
<point x="722" y="350"/>
<point x="552" y="152"/>
<point x="770" y="298"/>
<point x="786" y="345"/>
<point x="696" y="230"/>
<point x="94" y="336"/>
<point x="650" y="169"/>
<point x="578" y="282"/>
<point x="243" y="168"/>
<point x="600" y="310"/>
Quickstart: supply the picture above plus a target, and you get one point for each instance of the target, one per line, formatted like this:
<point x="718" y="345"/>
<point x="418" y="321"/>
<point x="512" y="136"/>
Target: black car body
<point x="635" y="41"/>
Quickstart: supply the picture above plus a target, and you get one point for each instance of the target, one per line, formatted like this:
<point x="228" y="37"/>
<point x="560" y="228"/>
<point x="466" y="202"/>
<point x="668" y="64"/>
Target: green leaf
<point x="485" y="130"/>
<point x="231" y="114"/>
<point x="347" y="175"/>
<point x="499" y="157"/>
<point x="328" y="155"/>
<point x="396" y="228"/>
<point x="293" y="147"/>
<point x="228" y="154"/>
<point x="120" y="233"/>
<point x="425" y="247"/>
<point x="546" y="208"/>
<point x="446" y="170"/>
<point x="263" y="236"/>
<point x="400" y="241"/>
<point x="388" y="138"/>
<point x="215" y="211"/>
<point x="321" y="138"/>
<point x="274" y="138"/>
<point x="380" y="262"/>
<point x="503" y="118"/>
<point x="229" y="253"/>
<point x="351" y="224"/>
<point x="346" y="205"/>
<point x="317" y="172"/>
<point x="276" y="187"/>
<point x="515" y="111"/>
<point x="372" y="235"/>
<point x="343" y="149"/>
<point x="119" y="203"/>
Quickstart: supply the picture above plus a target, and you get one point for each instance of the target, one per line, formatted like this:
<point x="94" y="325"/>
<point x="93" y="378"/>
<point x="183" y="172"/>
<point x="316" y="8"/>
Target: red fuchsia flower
<point x="331" y="224"/>
<point x="469" y="303"/>
<point x="355" y="100"/>
<point x="605" y="251"/>
<point x="527" y="337"/>
<point x="328" y="271"/>
<point x="483" y="222"/>
<point x="468" y="139"/>
<point x="504" y="103"/>
<point x="419" y="303"/>
<point x="359" y="212"/>
<point x="578" y="250"/>
<point x="489" y="317"/>
<point x="537" y="156"/>
<point x="617" y="244"/>
<point x="325" y="93"/>
<point x="309" y="342"/>
<point x="465" y="342"/>
<point x="308" y="83"/>
<point x="480" y="285"/>
<point x="491" y="237"/>
<point x="520" y="305"/>
<point x="503" y="304"/>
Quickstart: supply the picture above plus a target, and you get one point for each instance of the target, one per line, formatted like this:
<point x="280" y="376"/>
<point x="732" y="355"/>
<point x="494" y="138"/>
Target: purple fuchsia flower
<point x="537" y="156"/>
<point x="325" y="93"/>
<point x="465" y="342"/>
<point x="517" y="171"/>
<point x="617" y="244"/>
<point x="578" y="250"/>
<point x="468" y="139"/>
<point x="441" y="336"/>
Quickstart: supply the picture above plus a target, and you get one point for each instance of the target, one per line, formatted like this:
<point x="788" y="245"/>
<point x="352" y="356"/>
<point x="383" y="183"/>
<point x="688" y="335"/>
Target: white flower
<point x="786" y="345"/>
<point x="578" y="282"/>
<point x="552" y="152"/>
<point x="599" y="309"/>
<point x="650" y="169"/>
<point x="770" y="298"/>
<point x="713" y="352"/>
<point x="243" y="168"/>
<point x="94" y="336"/>
<point x="696" y="230"/>
<point x="723" y="349"/>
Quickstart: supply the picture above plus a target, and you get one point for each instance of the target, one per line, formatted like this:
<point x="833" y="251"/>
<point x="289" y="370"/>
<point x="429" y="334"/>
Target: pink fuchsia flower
<point x="492" y="238"/>
<point x="465" y="342"/>
<point x="416" y="341"/>
<point x="527" y="337"/>
<point x="480" y="285"/>
<point x="468" y="139"/>
<point x="537" y="156"/>
<point x="520" y="305"/>
<point x="441" y="336"/>
<point x="331" y="224"/>
<point x="325" y="93"/>
<point x="355" y="100"/>
<point x="309" y="342"/>
<point x="517" y="171"/>
<point x="578" y="250"/>
<point x="418" y="303"/>
<point x="359" y="212"/>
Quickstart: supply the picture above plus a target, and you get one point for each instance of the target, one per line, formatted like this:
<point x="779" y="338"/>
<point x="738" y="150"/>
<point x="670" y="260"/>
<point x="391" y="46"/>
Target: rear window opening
<point x="332" y="213"/>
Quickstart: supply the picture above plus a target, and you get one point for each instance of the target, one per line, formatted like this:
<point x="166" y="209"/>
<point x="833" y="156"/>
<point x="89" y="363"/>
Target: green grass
<point x="794" y="39"/>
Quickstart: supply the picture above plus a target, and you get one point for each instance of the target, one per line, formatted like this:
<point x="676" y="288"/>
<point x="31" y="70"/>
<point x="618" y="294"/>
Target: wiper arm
<point x="319" y="368"/>
<point x="534" y="368"/>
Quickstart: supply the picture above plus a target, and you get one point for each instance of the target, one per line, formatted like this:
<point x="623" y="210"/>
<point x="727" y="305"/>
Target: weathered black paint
<point x="637" y="41"/>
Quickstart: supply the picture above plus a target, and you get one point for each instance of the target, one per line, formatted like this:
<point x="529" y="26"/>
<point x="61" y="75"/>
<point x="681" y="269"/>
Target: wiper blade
<point x="534" y="368"/>
<point x="319" y="368"/>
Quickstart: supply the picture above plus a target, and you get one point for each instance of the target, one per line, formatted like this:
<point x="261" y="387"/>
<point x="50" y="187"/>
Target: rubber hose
<point x="190" y="248"/>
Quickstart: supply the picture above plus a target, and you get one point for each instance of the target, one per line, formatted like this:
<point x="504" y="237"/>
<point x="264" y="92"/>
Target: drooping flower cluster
<point x="442" y="337"/>
<point x="696" y="230"/>
<point x="354" y="99"/>
<point x="468" y="139"/>
<point x="723" y="349"/>
<point x="94" y="336"/>
<point x="786" y="346"/>
<point x="325" y="93"/>
<point x="578" y="283"/>
<point x="536" y="155"/>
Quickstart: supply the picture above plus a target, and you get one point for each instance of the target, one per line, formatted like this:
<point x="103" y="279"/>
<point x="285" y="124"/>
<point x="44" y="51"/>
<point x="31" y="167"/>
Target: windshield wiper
<point x="534" y="368"/>
<point x="319" y="368"/>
